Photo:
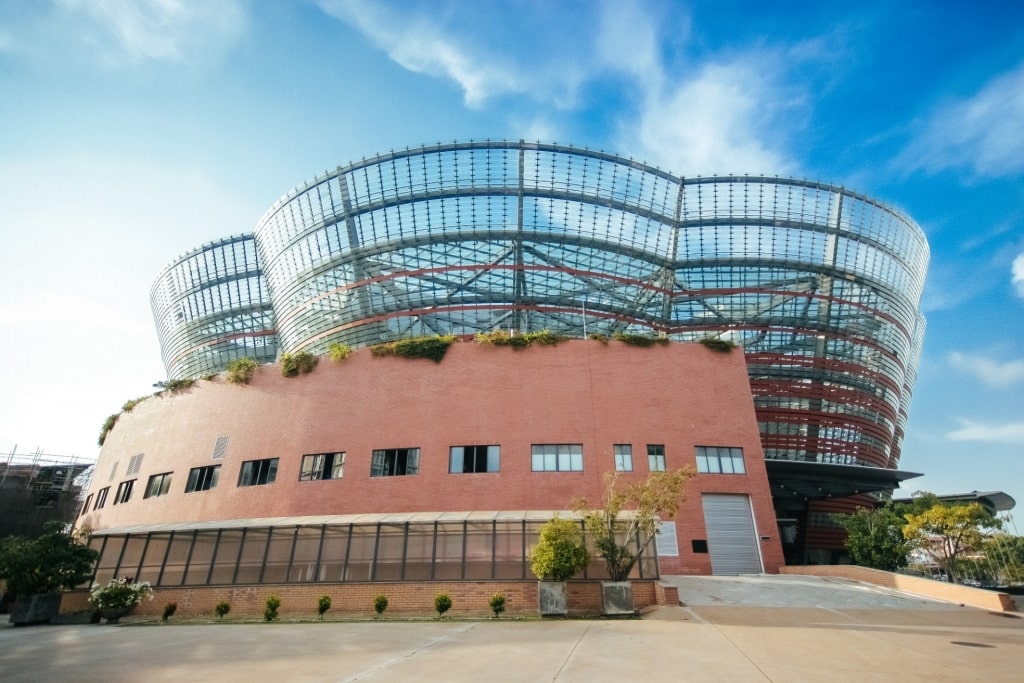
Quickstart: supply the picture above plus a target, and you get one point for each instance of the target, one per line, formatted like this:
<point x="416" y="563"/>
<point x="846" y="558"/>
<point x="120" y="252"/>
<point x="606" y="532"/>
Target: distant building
<point x="38" y="488"/>
<point x="820" y="287"/>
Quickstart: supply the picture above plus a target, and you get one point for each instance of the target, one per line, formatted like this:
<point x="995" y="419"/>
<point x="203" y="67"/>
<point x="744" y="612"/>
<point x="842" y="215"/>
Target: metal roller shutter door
<point x="732" y="540"/>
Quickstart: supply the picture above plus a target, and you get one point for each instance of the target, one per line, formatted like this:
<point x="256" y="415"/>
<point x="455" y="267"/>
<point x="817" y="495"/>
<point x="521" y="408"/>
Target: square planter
<point x="617" y="598"/>
<point x="551" y="598"/>
<point x="36" y="608"/>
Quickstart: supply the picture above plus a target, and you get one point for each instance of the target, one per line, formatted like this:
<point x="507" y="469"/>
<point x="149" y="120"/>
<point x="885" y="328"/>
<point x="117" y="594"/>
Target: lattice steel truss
<point x="820" y="285"/>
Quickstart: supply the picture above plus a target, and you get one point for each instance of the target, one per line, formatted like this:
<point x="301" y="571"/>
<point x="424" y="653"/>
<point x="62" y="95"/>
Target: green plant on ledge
<point x="380" y="603"/>
<point x="174" y="385"/>
<point x="338" y="351"/>
<point x="597" y="336"/>
<point x="442" y="603"/>
<point x="433" y="348"/>
<point x="241" y="370"/>
<point x="108" y="424"/>
<point x="497" y="604"/>
<point x="718" y="344"/>
<point x="301" y="362"/>
<point x="322" y="605"/>
<point x="270" y="610"/>
<point x="643" y="340"/>
<point x="130" y="404"/>
<point x="519" y="341"/>
<point x="221" y="609"/>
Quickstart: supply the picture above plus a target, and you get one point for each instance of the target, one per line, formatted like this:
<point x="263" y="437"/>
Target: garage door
<point x="732" y="540"/>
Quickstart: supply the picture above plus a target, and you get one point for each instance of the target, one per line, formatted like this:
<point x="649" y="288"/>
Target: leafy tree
<point x="559" y="553"/>
<point x="947" y="533"/>
<point x="875" y="537"/>
<point x="1005" y="554"/>
<point x="648" y="502"/>
<point x="48" y="563"/>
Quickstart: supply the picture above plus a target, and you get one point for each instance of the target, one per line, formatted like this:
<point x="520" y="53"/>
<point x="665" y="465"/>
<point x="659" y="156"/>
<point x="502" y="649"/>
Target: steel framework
<point x="820" y="285"/>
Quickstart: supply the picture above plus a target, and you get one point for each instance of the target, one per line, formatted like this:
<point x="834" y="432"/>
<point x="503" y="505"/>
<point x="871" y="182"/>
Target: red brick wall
<point x="680" y="395"/>
<point x="405" y="598"/>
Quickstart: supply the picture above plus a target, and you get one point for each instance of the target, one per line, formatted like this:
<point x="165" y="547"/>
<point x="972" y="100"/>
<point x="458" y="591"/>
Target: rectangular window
<point x="202" y="478"/>
<point x="85" y="506"/>
<point x="656" y="457"/>
<point x="467" y="459"/>
<point x="720" y="460"/>
<point x="101" y="497"/>
<point x="258" y="472"/>
<point x="322" y="466"/>
<point x="623" y="457"/>
<point x="395" y="462"/>
<point x="124" y="491"/>
<point x="158" y="485"/>
<point x="557" y="457"/>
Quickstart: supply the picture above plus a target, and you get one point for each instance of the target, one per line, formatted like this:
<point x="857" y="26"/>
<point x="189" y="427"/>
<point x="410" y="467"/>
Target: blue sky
<point x="131" y="132"/>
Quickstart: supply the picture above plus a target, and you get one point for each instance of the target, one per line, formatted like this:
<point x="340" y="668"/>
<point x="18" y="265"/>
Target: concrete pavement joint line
<point x="738" y="649"/>
<point x="411" y="653"/>
<point x="569" y="656"/>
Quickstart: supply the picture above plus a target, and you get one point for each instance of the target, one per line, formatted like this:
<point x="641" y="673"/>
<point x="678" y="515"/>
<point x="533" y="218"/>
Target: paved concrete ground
<point x="699" y="642"/>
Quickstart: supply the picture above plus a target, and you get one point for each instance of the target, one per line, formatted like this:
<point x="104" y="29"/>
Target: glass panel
<point x="108" y="562"/>
<point x="131" y="557"/>
<point x="174" y="568"/>
<point x="448" y="564"/>
<point x="389" y="553"/>
<point x="456" y="456"/>
<point x="202" y="554"/>
<point x="419" y="552"/>
<point x="508" y="550"/>
<point x="332" y="558"/>
<point x="307" y="547"/>
<point x="493" y="455"/>
<point x="276" y="569"/>
<point x="154" y="559"/>
<point x="479" y="550"/>
<point x="251" y="562"/>
<point x="227" y="556"/>
<point x="361" y="554"/>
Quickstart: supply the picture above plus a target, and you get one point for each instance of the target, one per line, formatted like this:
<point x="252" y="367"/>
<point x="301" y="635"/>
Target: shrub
<point x="338" y="351"/>
<point x="293" y="364"/>
<point x="380" y="603"/>
<point x="130" y="404"/>
<point x="169" y="610"/>
<point x="519" y="341"/>
<point x="173" y="385"/>
<point x="643" y="340"/>
<point x="433" y="348"/>
<point x="559" y="553"/>
<point x="270" y="610"/>
<point x="718" y="344"/>
<point x="221" y="609"/>
<point x="47" y="563"/>
<point x="118" y="593"/>
<point x="442" y="603"/>
<point x="107" y="426"/>
<point x="322" y="605"/>
<point x="241" y="370"/>
<point x="597" y="336"/>
<point x="497" y="604"/>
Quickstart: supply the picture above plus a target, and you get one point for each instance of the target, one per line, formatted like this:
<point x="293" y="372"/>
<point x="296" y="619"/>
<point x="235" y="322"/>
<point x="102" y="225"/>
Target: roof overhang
<point x="801" y="480"/>
<point x="993" y="501"/>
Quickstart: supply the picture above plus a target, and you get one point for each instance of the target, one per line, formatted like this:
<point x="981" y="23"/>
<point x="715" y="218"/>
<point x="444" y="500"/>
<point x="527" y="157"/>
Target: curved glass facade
<point x="820" y="285"/>
<point x="211" y="306"/>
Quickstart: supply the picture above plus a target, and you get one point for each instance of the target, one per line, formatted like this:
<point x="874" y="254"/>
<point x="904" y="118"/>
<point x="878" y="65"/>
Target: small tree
<point x="875" y="537"/>
<point x="648" y="501"/>
<point x="270" y="609"/>
<point x="497" y="604"/>
<point x="442" y="603"/>
<point x="53" y="561"/>
<point x="380" y="603"/>
<point x="322" y="605"/>
<point x="559" y="554"/>
<point x="222" y="609"/>
<point x="241" y="370"/>
<point x="338" y="351"/>
<point x="947" y="533"/>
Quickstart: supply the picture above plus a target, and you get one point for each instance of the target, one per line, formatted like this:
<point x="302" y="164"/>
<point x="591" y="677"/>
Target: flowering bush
<point x="120" y="593"/>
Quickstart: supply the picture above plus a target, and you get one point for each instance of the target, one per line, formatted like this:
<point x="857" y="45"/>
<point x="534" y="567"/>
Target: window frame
<point x="623" y="456"/>
<point x="101" y="498"/>
<point x="488" y="454"/>
<point x="565" y="457"/>
<point x="381" y="467"/>
<point x="124" y="492"/>
<point x="323" y="466"/>
<point x="656" y="457"/>
<point x="706" y="455"/>
<point x="202" y="478"/>
<point x="262" y="472"/>
<point x="158" y="485"/>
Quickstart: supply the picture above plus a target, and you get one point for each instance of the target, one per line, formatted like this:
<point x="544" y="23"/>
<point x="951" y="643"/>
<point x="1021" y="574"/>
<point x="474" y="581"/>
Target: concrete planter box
<point x="37" y="608"/>
<point x="551" y="598"/>
<point x="617" y="598"/>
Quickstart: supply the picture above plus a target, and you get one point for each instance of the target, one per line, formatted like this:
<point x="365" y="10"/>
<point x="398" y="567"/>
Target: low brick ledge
<point x="928" y="588"/>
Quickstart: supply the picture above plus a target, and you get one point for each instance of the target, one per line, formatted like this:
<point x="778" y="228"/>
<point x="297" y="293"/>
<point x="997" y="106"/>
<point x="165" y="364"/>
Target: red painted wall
<point x="680" y="395"/>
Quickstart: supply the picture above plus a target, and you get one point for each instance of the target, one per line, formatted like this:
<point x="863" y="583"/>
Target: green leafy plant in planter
<point x="519" y="341"/>
<point x="718" y="344"/>
<point x="241" y="370"/>
<point x="119" y="597"/>
<point x="221" y="609"/>
<point x="43" y="566"/>
<point x="322" y="605"/>
<point x="433" y="348"/>
<point x="302" y="362"/>
<point x="270" y="608"/>
<point x="643" y="340"/>
<point x="169" y="610"/>
<point x="442" y="603"/>
<point x="338" y="351"/>
<point x="497" y="604"/>
<point x="380" y="603"/>
<point x="560" y="553"/>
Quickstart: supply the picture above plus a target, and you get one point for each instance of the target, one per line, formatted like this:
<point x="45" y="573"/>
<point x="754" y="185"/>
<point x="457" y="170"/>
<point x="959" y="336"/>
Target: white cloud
<point x="982" y="133"/>
<point x="160" y="30"/>
<point x="1010" y="432"/>
<point x="992" y="373"/>
<point x="1017" y="275"/>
